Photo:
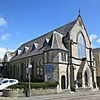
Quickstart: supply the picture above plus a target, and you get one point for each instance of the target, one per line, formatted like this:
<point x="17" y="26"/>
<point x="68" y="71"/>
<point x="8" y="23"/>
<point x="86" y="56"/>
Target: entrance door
<point x="86" y="79"/>
<point x="63" y="82"/>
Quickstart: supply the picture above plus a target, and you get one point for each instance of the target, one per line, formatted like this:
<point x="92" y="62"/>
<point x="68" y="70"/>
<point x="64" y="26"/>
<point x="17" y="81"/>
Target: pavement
<point x="78" y="95"/>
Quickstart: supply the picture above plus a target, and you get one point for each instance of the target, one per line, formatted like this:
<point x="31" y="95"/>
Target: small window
<point x="25" y="50"/>
<point x="63" y="56"/>
<point x="39" y="62"/>
<point x="45" y="43"/>
<point x="18" y="52"/>
<point x="34" y="46"/>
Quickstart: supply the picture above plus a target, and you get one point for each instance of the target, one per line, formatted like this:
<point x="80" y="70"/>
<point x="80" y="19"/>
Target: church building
<point x="63" y="55"/>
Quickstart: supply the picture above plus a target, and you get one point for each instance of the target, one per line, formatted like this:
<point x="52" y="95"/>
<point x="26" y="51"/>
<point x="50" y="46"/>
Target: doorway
<point x="86" y="79"/>
<point x="63" y="82"/>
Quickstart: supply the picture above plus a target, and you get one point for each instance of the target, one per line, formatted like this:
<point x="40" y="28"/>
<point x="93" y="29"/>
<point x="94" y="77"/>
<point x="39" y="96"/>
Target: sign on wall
<point x="48" y="68"/>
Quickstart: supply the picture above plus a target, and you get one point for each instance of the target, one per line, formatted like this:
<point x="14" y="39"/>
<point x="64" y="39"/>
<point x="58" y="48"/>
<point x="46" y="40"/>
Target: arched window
<point x="81" y="46"/>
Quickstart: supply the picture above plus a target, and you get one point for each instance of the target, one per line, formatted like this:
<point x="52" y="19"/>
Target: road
<point x="94" y="95"/>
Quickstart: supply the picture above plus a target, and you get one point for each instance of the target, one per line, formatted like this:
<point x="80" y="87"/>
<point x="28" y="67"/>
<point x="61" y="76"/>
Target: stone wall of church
<point x="19" y="68"/>
<point x="58" y="59"/>
<point x="38" y="62"/>
<point x="75" y="59"/>
<point x="62" y="72"/>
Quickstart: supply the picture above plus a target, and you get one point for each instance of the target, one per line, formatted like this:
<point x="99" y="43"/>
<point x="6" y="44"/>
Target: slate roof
<point x="55" y="35"/>
<point x="55" y="42"/>
<point x="96" y="50"/>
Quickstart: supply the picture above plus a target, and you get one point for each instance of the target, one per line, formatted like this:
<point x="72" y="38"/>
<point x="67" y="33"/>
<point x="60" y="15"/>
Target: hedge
<point x="23" y="85"/>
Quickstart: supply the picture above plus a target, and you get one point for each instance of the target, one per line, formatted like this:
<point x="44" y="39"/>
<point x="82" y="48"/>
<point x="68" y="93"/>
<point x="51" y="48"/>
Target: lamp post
<point x="29" y="73"/>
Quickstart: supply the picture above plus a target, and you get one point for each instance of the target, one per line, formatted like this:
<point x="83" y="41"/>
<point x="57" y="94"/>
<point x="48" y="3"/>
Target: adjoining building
<point x="1" y="67"/>
<point x="63" y="55"/>
<point x="96" y="53"/>
<point x="5" y="64"/>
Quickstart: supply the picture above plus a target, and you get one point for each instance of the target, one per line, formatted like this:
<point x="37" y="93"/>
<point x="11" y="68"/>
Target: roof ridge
<point x="49" y="32"/>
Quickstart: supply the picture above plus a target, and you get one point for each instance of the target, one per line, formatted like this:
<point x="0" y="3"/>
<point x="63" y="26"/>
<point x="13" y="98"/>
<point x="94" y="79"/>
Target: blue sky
<point x="23" y="20"/>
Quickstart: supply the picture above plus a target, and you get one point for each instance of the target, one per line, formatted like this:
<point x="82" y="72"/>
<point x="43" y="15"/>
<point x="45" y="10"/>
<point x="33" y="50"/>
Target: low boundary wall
<point x="21" y="92"/>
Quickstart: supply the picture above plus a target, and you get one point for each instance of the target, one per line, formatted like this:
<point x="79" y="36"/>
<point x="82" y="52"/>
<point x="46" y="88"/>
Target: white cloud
<point x="4" y="36"/>
<point x="98" y="40"/>
<point x="92" y="37"/>
<point x="3" y="22"/>
<point x="3" y="51"/>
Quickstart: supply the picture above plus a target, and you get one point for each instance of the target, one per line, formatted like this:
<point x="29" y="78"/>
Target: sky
<point x="24" y="20"/>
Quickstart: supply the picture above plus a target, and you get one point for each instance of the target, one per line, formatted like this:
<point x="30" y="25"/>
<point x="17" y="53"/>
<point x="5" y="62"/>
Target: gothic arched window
<point x="81" y="46"/>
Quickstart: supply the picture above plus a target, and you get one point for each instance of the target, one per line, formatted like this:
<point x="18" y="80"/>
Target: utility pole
<point x="29" y="84"/>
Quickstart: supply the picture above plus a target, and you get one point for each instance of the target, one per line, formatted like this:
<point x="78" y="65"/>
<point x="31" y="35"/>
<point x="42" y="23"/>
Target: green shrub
<point x="23" y="85"/>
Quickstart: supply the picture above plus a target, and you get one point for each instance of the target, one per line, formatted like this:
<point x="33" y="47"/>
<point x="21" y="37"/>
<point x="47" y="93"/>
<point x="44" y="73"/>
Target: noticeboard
<point x="48" y="72"/>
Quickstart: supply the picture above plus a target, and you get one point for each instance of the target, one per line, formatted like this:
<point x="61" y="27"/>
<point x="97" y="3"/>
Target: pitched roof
<point x="62" y="30"/>
<point x="96" y="50"/>
<point x="55" y="42"/>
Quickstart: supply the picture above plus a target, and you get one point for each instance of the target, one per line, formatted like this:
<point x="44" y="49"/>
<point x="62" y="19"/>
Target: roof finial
<point x="79" y="11"/>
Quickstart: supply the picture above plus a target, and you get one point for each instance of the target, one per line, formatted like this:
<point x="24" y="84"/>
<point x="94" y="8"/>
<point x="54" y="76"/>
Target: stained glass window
<point x="81" y="46"/>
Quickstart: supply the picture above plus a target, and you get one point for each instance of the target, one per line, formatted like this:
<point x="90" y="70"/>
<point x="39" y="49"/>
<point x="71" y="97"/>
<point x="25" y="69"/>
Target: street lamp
<point x="29" y="72"/>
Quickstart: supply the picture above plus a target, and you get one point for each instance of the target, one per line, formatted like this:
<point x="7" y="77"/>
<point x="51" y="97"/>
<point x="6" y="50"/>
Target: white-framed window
<point x="81" y="46"/>
<point x="63" y="56"/>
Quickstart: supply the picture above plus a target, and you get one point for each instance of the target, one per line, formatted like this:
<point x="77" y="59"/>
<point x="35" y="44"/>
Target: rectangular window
<point x="39" y="72"/>
<point x="63" y="56"/>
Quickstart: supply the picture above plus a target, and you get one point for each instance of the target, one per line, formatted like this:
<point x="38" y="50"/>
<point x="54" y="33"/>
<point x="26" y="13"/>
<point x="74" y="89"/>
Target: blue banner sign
<point x="47" y="72"/>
